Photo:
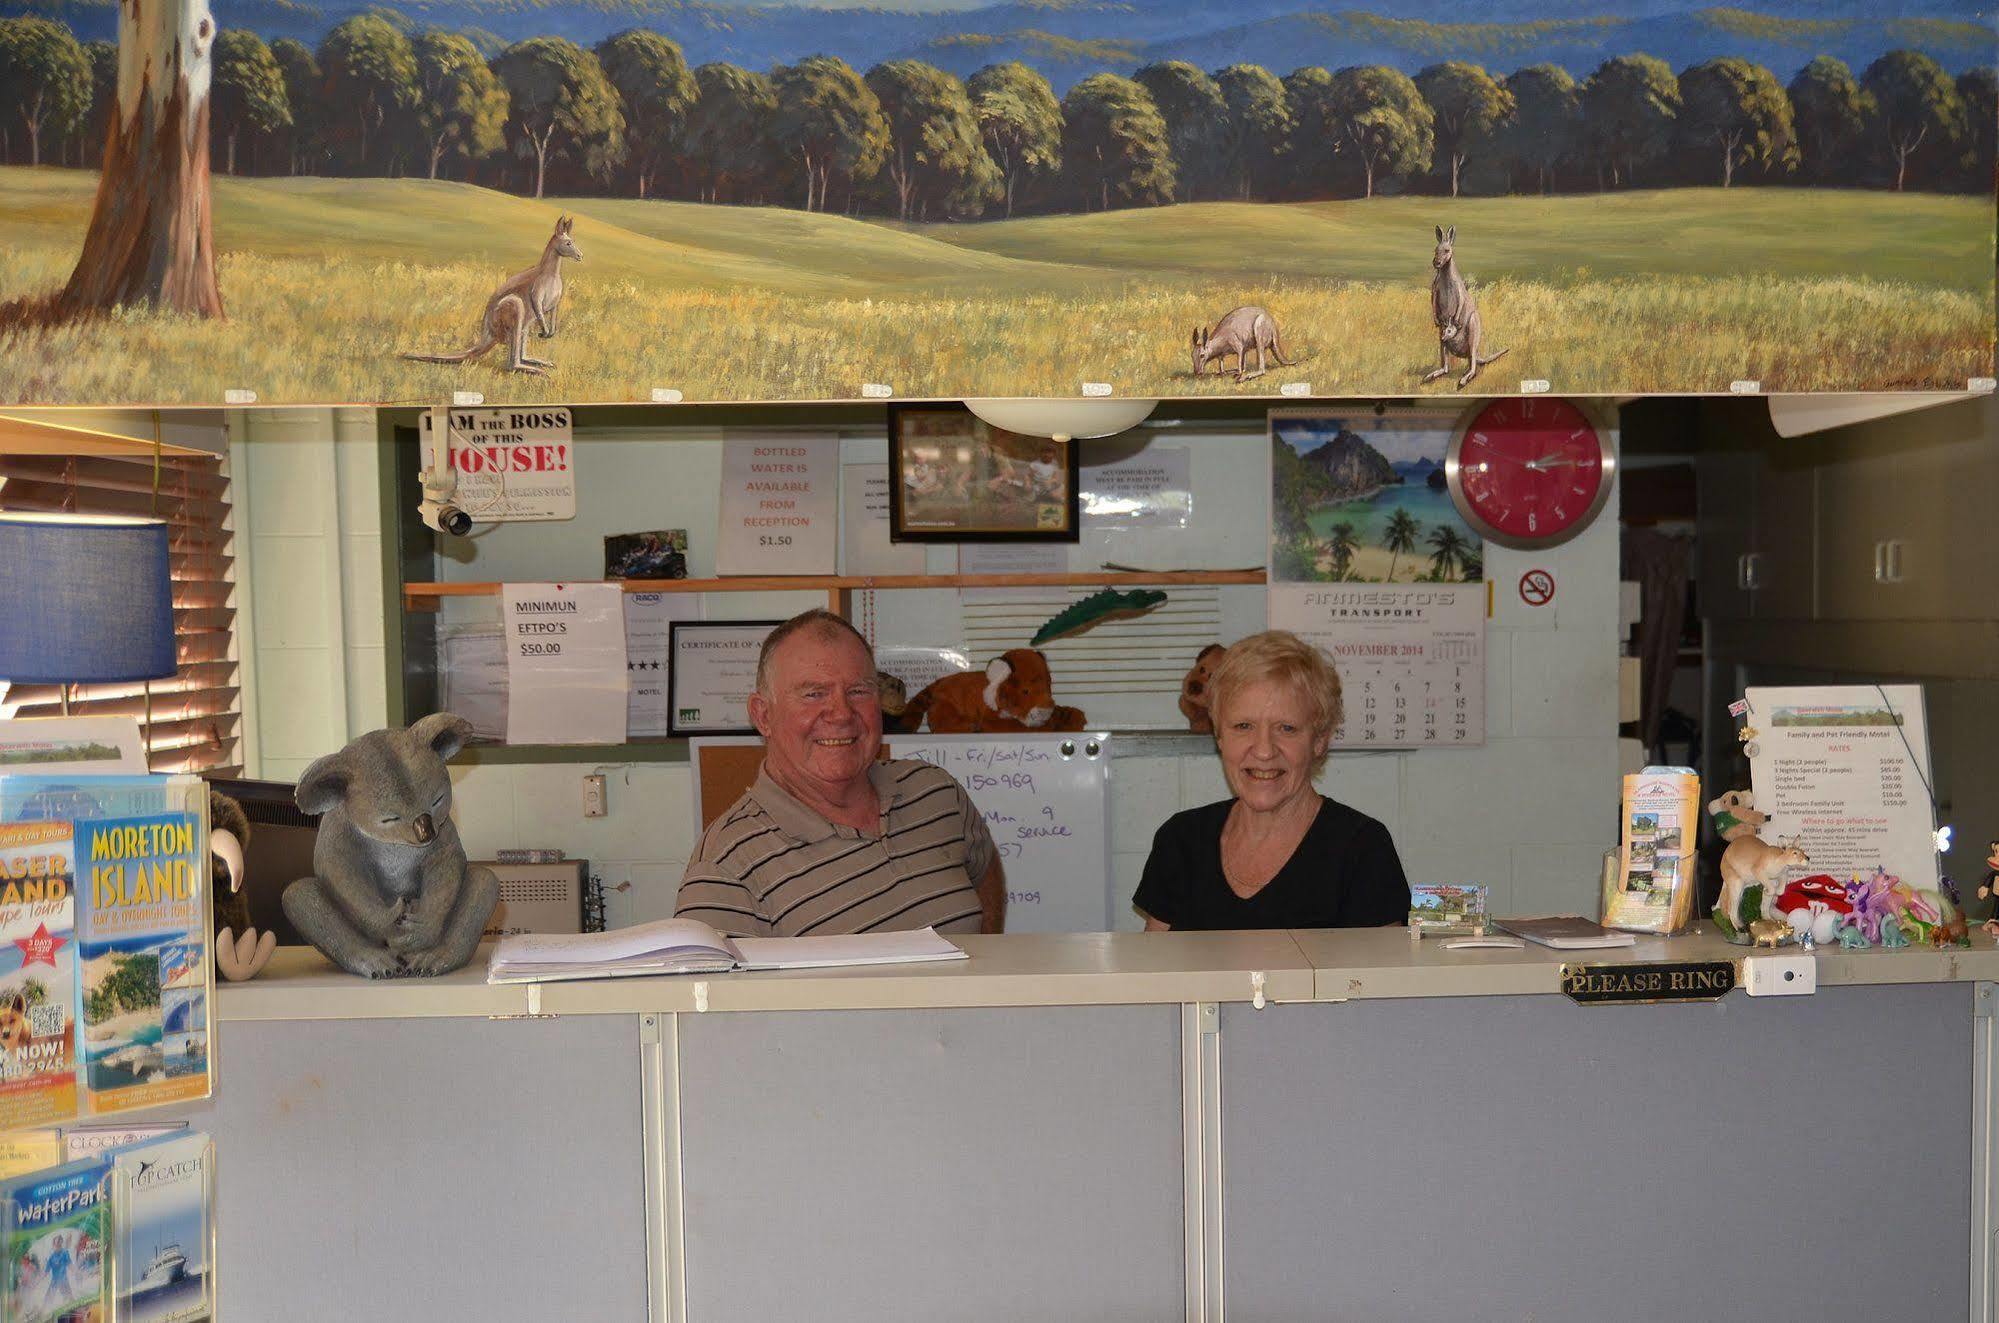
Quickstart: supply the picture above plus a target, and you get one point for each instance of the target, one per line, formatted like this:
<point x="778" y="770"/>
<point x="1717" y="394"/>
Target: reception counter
<point x="1260" y="1126"/>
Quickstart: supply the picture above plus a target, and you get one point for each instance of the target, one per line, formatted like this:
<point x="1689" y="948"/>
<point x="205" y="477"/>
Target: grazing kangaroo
<point x="1237" y="333"/>
<point x="533" y="293"/>
<point x="1459" y="329"/>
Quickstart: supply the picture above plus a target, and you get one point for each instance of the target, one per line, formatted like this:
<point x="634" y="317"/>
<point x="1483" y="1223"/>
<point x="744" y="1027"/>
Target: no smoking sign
<point x="1537" y="587"/>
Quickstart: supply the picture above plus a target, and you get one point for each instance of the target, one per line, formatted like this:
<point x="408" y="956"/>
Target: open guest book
<point x="688" y="946"/>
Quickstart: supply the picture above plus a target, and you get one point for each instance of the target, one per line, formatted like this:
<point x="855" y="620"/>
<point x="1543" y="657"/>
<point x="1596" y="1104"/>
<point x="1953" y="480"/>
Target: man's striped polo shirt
<point x="771" y="867"/>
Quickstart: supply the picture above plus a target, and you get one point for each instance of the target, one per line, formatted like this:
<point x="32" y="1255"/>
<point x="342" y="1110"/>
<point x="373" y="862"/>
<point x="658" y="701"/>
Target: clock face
<point x="1529" y="472"/>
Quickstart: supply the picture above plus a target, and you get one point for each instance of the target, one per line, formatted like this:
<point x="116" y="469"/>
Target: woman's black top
<point x="1344" y="874"/>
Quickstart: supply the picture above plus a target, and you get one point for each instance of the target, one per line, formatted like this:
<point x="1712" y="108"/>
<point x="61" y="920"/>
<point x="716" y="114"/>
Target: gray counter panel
<point x="934" y="1165"/>
<point x="1513" y="1158"/>
<point x="448" y="1169"/>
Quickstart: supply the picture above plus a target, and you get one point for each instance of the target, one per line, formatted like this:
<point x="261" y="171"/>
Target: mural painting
<point x="345" y="202"/>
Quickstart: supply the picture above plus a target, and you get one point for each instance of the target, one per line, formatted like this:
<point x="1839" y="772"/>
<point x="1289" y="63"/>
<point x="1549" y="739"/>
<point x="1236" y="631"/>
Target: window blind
<point x="192" y="721"/>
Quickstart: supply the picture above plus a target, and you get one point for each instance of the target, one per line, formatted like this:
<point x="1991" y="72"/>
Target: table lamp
<point x="84" y="599"/>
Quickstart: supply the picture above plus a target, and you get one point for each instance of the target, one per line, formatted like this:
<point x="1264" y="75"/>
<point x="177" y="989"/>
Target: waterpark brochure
<point x="142" y="936"/>
<point x="53" y="1237"/>
<point x="37" y="974"/>
<point x="162" y="1199"/>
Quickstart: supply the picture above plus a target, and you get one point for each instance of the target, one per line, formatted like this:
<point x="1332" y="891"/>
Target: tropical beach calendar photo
<point x="1360" y="498"/>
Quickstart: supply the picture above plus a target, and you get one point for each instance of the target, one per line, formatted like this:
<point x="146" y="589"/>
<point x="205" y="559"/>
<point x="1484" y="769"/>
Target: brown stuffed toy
<point x="1014" y="693"/>
<point x="1194" y="690"/>
<point x="240" y="951"/>
<point x="894" y="699"/>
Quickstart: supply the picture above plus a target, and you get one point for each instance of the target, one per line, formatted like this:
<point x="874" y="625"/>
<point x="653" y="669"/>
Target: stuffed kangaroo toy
<point x="392" y="895"/>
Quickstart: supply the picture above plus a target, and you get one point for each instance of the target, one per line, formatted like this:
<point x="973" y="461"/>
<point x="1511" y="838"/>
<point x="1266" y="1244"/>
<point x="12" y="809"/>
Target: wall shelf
<point x="426" y="596"/>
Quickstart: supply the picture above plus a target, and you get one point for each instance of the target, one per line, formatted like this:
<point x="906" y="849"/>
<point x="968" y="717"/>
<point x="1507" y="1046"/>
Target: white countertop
<point x="1054" y="969"/>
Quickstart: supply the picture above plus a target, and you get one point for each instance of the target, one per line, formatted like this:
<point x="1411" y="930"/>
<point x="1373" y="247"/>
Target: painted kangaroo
<point x="1237" y="333"/>
<point x="1459" y="329"/>
<point x="533" y="294"/>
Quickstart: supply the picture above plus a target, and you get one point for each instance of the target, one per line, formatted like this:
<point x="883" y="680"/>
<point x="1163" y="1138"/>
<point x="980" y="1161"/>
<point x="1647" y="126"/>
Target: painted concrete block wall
<point x="1529" y="814"/>
<point x="309" y="582"/>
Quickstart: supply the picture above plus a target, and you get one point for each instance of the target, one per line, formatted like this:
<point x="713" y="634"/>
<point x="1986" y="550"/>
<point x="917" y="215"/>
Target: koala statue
<point x="391" y="895"/>
<point x="1194" y="689"/>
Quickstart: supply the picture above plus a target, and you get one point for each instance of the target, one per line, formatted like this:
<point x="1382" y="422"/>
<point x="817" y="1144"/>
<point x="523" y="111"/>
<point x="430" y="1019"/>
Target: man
<point x="828" y="840"/>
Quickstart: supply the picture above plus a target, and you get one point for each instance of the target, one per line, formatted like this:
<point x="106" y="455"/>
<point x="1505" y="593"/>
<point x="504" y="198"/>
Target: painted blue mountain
<point x="1068" y="40"/>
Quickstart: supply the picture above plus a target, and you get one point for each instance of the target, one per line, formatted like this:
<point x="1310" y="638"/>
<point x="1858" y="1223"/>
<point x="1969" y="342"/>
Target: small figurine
<point x="1734" y="815"/>
<point x="1751" y="861"/>
<point x="1950" y="929"/>
<point x="1769" y="932"/>
<point x="1991" y="882"/>
<point x="1194" y="689"/>
<point x="1850" y="936"/>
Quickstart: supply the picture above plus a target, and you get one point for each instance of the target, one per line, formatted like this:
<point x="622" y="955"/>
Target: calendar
<point x="1411" y="658"/>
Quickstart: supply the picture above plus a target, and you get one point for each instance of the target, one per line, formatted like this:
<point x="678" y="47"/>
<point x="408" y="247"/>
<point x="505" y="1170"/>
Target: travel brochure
<point x="105" y="982"/>
<point x="126" y="1233"/>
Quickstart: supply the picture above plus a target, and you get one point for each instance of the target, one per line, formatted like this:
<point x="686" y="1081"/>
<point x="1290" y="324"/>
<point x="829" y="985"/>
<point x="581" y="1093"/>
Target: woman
<point x="1279" y="854"/>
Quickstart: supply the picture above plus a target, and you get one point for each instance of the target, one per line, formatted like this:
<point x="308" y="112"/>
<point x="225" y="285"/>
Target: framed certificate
<point x="713" y="670"/>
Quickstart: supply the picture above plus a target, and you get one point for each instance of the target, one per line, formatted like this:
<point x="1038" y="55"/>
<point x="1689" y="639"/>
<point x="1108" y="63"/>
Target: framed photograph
<point x="659" y="553"/>
<point x="955" y="479"/>
<point x="713" y="670"/>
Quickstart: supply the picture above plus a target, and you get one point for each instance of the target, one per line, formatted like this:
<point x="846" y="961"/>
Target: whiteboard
<point x="1046" y="801"/>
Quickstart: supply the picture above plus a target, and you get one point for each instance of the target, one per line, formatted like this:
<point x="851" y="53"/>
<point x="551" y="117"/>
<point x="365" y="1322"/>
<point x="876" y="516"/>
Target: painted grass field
<point x="326" y="280"/>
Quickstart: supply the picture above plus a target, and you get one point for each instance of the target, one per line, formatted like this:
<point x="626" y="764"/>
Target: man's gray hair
<point x="819" y="622"/>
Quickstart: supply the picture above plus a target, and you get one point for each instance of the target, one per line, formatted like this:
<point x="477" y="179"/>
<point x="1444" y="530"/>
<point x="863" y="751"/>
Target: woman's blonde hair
<point x="1280" y="655"/>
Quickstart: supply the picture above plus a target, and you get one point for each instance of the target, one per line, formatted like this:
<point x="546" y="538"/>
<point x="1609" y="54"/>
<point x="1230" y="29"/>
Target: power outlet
<point x="1780" y="975"/>
<point x="593" y="796"/>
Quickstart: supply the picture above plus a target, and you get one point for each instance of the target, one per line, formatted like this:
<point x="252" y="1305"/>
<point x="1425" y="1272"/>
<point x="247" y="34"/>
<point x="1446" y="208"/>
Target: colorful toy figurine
<point x="1991" y="882"/>
<point x="1816" y="907"/>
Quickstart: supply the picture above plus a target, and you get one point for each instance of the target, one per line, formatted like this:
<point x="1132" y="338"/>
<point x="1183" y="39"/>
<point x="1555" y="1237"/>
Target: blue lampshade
<point x="84" y="598"/>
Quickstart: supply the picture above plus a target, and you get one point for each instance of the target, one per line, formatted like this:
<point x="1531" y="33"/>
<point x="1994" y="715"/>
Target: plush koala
<point x="392" y="895"/>
<point x="1194" y="689"/>
<point x="1735" y="815"/>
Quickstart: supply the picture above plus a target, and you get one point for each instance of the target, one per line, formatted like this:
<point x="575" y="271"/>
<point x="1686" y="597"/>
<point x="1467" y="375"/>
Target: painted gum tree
<point x="151" y="240"/>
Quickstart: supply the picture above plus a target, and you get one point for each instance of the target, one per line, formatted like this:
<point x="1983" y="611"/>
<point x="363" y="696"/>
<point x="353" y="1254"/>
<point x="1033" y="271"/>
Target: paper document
<point x="565" y="662"/>
<point x="1846" y="771"/>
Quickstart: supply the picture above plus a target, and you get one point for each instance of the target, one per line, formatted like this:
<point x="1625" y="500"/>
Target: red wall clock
<point x="1529" y="472"/>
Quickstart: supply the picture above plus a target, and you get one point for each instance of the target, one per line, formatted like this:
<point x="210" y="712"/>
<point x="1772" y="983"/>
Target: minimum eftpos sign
<point x="511" y="463"/>
<point x="1537" y="587"/>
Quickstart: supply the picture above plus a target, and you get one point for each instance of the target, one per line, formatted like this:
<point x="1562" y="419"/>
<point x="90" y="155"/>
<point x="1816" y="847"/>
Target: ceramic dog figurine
<point x="391" y="894"/>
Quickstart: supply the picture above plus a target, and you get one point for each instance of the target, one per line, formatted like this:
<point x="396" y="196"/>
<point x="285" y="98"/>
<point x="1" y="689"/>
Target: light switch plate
<point x="1780" y="975"/>
<point x="593" y="796"/>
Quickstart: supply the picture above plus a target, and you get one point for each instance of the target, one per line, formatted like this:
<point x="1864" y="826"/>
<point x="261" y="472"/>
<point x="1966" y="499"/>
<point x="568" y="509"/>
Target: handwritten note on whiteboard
<point x="1047" y="811"/>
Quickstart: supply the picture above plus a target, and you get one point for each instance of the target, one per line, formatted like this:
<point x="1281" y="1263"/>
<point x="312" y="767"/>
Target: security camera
<point x="445" y="517"/>
<point x="436" y="508"/>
